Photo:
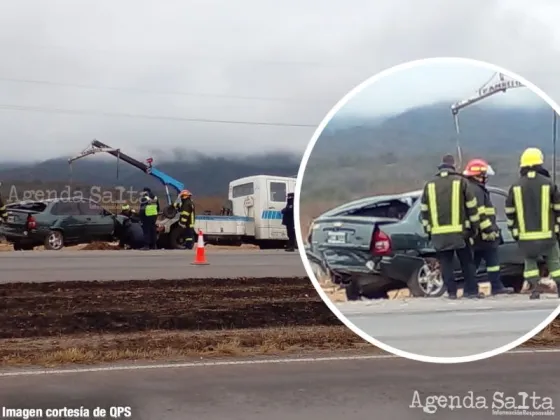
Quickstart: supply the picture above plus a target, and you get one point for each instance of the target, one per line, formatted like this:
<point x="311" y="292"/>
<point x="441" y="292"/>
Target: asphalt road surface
<point x="28" y="266"/>
<point x="312" y="390"/>
<point x="444" y="328"/>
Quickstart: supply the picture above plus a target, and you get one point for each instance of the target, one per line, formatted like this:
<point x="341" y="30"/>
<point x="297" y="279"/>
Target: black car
<point x="56" y="223"/>
<point x="371" y="255"/>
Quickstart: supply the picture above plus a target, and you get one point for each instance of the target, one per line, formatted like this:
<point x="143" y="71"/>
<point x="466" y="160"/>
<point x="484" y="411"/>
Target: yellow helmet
<point x="531" y="157"/>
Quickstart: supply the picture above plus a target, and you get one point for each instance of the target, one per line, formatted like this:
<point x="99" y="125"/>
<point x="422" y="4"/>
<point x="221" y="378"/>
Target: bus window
<point x="278" y="192"/>
<point x="242" y="190"/>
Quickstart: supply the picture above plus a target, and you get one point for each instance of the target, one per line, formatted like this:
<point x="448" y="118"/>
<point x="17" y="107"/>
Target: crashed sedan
<point x="55" y="223"/>
<point x="372" y="255"/>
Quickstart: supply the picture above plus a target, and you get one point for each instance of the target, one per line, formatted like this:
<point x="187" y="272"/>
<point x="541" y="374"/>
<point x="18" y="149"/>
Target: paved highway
<point x="444" y="328"/>
<point x="351" y="389"/>
<point x="28" y="266"/>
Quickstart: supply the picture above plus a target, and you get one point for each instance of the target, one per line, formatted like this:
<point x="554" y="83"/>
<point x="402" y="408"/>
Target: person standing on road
<point x="187" y="218"/>
<point x="149" y="209"/>
<point x="488" y="240"/>
<point x="533" y="212"/>
<point x="450" y="219"/>
<point x="288" y="221"/>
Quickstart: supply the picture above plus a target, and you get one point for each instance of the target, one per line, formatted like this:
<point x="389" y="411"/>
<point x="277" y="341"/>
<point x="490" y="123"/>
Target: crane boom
<point x="98" y="147"/>
<point x="484" y="92"/>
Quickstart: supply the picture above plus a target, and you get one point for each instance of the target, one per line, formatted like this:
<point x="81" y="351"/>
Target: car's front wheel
<point x="427" y="281"/>
<point x="54" y="241"/>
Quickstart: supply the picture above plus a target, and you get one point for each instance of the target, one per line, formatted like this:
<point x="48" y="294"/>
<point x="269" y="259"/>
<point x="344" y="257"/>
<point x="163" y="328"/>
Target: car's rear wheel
<point x="54" y="241"/>
<point x="427" y="281"/>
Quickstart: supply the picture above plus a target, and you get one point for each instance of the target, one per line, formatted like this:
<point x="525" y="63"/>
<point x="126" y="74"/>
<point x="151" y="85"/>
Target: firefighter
<point x="288" y="221"/>
<point x="450" y="219"/>
<point x="187" y="217"/>
<point x="149" y="209"/>
<point x="488" y="240"/>
<point x="533" y="212"/>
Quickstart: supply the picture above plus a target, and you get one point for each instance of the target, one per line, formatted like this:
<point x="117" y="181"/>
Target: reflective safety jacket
<point x="149" y="206"/>
<point x="3" y="211"/>
<point x="533" y="212"/>
<point x="489" y="232"/>
<point x="449" y="210"/>
<point x="186" y="215"/>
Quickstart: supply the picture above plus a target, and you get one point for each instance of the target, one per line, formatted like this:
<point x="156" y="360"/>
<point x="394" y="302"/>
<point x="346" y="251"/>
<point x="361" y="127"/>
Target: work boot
<point x="502" y="291"/>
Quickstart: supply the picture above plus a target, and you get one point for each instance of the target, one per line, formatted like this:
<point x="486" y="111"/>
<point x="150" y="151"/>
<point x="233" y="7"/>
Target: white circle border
<point x="299" y="237"/>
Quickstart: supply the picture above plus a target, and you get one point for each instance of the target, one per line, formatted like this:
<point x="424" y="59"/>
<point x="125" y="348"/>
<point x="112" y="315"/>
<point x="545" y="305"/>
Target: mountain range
<point x="431" y="128"/>
<point x="351" y="146"/>
<point x="204" y="176"/>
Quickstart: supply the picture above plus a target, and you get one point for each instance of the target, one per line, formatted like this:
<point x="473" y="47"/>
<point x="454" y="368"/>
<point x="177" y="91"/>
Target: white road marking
<point x="231" y="363"/>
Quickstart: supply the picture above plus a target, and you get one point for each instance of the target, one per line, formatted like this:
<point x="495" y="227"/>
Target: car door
<point x="98" y="223"/>
<point x="69" y="219"/>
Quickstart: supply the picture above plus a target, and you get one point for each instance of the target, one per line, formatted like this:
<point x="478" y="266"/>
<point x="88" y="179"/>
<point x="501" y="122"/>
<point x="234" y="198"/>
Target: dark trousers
<point x="446" y="262"/>
<point x="492" y="260"/>
<point x="150" y="232"/>
<point x="291" y="231"/>
<point x="189" y="237"/>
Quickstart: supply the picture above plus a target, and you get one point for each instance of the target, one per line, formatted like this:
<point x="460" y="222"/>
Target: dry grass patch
<point x="158" y="345"/>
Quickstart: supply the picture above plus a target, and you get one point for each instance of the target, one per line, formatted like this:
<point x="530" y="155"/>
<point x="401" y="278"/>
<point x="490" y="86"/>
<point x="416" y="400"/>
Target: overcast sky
<point x="432" y="82"/>
<point x="160" y="62"/>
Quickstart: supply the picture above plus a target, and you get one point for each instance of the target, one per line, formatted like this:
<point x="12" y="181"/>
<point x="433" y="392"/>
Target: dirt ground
<point x="65" y="308"/>
<point x="50" y="324"/>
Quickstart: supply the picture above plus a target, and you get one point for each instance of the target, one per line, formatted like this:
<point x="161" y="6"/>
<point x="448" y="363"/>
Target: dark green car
<point x="371" y="255"/>
<point x="56" y="223"/>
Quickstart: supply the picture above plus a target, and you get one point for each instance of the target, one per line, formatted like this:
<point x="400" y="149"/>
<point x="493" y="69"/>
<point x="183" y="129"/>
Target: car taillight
<point x="31" y="222"/>
<point x="380" y="243"/>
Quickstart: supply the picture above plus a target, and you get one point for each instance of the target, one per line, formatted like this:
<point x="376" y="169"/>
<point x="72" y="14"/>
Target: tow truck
<point x="252" y="214"/>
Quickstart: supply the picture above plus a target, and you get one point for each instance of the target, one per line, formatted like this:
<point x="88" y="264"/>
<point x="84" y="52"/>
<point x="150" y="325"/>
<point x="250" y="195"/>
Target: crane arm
<point x="119" y="155"/>
<point x="484" y="92"/>
<point x="98" y="147"/>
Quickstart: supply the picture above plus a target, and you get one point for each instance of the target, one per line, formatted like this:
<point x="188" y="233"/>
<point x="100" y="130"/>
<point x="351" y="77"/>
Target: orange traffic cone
<point x="200" y="256"/>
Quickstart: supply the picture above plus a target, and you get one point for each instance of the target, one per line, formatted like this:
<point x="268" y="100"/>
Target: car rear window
<point x="38" y="207"/>
<point x="396" y="208"/>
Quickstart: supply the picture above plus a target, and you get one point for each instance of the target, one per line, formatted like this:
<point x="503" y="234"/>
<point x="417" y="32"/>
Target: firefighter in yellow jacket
<point x="449" y="212"/>
<point x="533" y="212"/>
<point x="187" y="217"/>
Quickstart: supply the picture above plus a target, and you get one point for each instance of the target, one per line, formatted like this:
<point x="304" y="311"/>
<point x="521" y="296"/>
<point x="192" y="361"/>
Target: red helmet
<point x="185" y="194"/>
<point x="478" y="167"/>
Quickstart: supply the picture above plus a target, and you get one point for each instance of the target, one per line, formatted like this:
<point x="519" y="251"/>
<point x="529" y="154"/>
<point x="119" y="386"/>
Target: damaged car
<point x="372" y="255"/>
<point x="56" y="223"/>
